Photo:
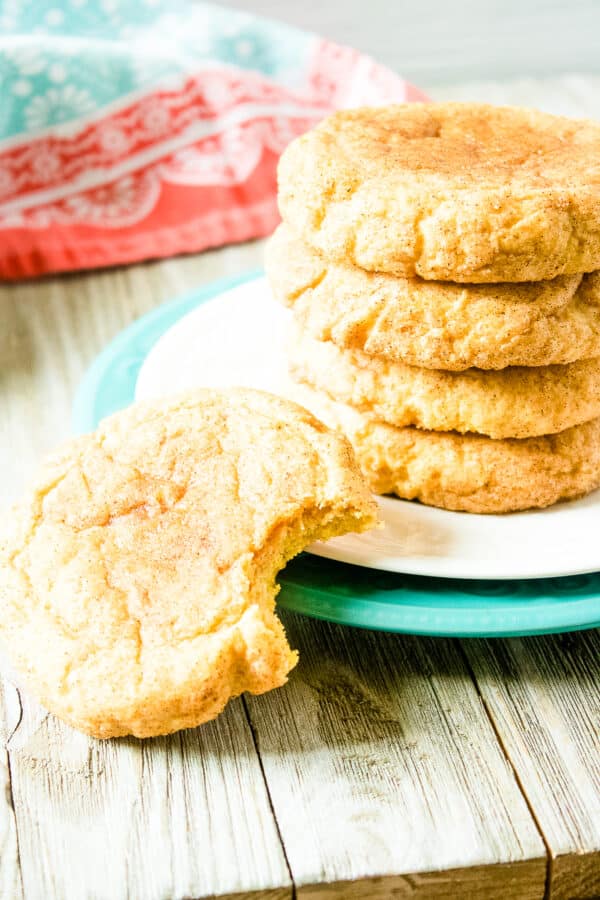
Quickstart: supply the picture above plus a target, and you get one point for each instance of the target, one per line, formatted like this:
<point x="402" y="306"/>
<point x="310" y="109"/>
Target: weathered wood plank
<point x="381" y="762"/>
<point x="10" y="875"/>
<point x="181" y="817"/>
<point x="512" y="880"/>
<point x="544" y="697"/>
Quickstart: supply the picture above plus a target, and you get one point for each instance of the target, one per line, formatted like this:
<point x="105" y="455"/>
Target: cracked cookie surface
<point x="515" y="402"/>
<point x="467" y="472"/>
<point x="436" y="325"/>
<point x="463" y="192"/>
<point x="137" y="577"/>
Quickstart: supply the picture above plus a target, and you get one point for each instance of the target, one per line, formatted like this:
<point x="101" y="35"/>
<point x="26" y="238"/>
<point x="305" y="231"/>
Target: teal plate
<point x="342" y="593"/>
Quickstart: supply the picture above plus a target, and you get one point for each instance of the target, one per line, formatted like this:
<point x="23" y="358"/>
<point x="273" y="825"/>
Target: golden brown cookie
<point x="461" y="191"/>
<point x="517" y="402"/>
<point x="436" y="325"/>
<point x="466" y="472"/>
<point x="137" y="577"/>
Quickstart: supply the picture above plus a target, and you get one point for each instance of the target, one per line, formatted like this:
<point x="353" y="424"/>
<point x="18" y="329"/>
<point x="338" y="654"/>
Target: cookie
<point x="517" y="402"/>
<point x="468" y="472"/>
<point x="137" y="577"/>
<point x="463" y="192"/>
<point x="436" y="325"/>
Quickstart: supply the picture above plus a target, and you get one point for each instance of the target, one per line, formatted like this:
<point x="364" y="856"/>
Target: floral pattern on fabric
<point x="123" y="122"/>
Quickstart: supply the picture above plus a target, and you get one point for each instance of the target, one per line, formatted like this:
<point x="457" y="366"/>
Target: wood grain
<point x="496" y="882"/>
<point x="381" y="761"/>
<point x="543" y="695"/>
<point x="10" y="874"/>
<point x="179" y="817"/>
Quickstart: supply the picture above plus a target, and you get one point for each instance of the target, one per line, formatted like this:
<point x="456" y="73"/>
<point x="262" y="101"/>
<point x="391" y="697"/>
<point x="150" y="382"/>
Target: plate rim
<point x="445" y="623"/>
<point x="130" y="348"/>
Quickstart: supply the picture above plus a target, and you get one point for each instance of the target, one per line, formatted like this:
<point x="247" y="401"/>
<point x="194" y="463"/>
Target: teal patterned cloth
<point x="62" y="61"/>
<point x="131" y="129"/>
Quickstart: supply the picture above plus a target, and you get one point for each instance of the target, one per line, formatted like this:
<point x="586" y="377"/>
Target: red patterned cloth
<point x="175" y="170"/>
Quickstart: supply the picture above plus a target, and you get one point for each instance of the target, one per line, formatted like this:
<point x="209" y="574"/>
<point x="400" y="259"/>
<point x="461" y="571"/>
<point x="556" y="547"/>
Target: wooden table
<point x="389" y="766"/>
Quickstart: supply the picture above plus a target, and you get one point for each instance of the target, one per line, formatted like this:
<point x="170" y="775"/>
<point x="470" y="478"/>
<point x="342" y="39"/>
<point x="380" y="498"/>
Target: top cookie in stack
<point x="423" y="247"/>
<point x="450" y="191"/>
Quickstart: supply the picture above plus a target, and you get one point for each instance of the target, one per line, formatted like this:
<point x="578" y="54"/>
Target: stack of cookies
<point x="434" y="258"/>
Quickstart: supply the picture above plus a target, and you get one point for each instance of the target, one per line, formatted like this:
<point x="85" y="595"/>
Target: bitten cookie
<point x="137" y="577"/>
<point x="516" y="402"/>
<point x="463" y="192"/>
<point x="436" y="325"/>
<point x="467" y="472"/>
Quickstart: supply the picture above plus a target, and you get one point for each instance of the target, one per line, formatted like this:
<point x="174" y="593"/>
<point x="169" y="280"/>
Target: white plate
<point x="238" y="338"/>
